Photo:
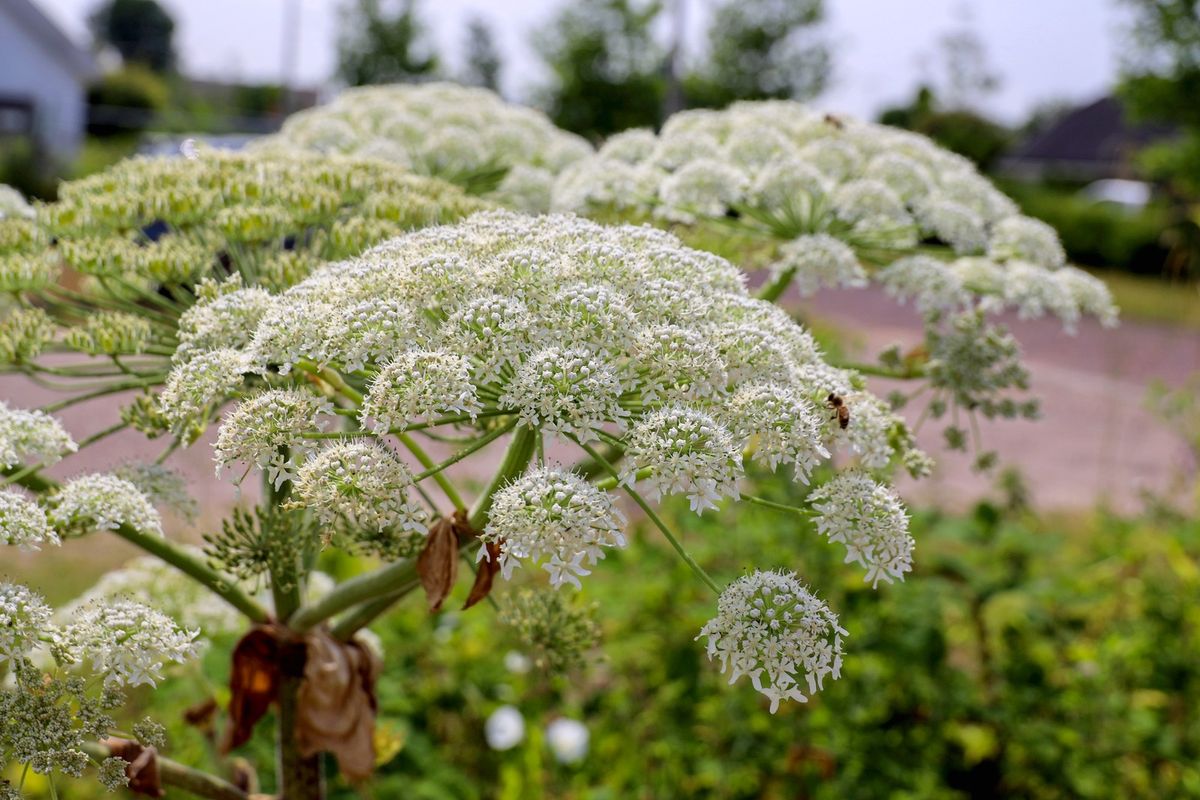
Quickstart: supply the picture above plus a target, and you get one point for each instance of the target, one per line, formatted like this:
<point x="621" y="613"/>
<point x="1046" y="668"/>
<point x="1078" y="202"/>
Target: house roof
<point x="1095" y="140"/>
<point x="57" y="44"/>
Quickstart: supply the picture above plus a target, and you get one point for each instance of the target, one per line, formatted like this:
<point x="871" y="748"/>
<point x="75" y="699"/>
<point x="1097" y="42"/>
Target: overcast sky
<point x="1044" y="50"/>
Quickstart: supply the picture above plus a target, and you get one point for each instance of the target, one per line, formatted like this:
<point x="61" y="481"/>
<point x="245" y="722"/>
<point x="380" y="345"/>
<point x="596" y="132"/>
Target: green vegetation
<point x="1025" y="657"/>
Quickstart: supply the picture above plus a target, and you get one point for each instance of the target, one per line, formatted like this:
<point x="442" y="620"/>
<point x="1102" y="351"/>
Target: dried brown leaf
<point x="336" y="704"/>
<point x="141" y="766"/>
<point x="437" y="565"/>
<point x="253" y="682"/>
<point x="485" y="574"/>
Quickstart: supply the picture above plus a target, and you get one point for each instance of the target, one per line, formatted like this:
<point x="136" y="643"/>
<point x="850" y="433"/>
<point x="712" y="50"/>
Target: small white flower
<point x="869" y="519"/>
<point x="567" y="391"/>
<point x="568" y="740"/>
<point x="556" y="517"/>
<point x="31" y="433"/>
<point x="102" y="502"/>
<point x="23" y="523"/>
<point x="24" y="619"/>
<point x="419" y="385"/>
<point x="780" y="426"/>
<point x="266" y="426"/>
<point x="819" y="261"/>
<point x="363" y="482"/>
<point x="504" y="729"/>
<point x="771" y="628"/>
<point x="127" y="642"/>
<point x="686" y="451"/>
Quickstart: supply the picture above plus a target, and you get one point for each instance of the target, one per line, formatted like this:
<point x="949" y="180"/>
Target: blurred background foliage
<point x="1025" y="657"/>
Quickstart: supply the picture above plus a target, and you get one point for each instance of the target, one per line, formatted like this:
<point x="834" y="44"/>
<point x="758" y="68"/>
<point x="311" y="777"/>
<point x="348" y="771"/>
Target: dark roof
<point x="1096" y="140"/>
<point x="39" y="27"/>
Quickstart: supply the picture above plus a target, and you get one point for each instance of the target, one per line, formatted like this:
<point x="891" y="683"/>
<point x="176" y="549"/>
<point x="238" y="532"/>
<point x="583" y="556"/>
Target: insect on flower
<point x="841" y="411"/>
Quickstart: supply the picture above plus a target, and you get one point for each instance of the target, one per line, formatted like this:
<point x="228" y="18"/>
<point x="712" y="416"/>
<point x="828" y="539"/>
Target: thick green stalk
<point x="774" y="289"/>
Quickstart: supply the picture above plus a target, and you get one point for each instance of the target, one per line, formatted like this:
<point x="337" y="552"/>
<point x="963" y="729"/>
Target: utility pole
<point x="674" y="99"/>
<point x="290" y="50"/>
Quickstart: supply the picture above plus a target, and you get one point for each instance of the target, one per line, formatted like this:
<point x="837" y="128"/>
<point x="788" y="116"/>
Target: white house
<point x="43" y="80"/>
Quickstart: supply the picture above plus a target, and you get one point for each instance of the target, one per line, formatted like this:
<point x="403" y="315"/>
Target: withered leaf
<point x="336" y="704"/>
<point x="437" y="565"/>
<point x="141" y="765"/>
<point x="485" y="573"/>
<point x="253" y="682"/>
<point x="201" y="715"/>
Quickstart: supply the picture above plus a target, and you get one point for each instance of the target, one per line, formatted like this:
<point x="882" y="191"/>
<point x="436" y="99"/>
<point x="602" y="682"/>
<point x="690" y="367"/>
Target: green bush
<point x="1024" y="658"/>
<point x="1098" y="234"/>
<point x="125" y="101"/>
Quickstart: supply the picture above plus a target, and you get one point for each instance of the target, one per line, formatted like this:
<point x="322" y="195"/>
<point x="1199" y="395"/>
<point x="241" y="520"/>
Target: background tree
<point x="483" y="59"/>
<point x="1161" y="81"/>
<point x="384" y="43"/>
<point x="761" y="49"/>
<point x="140" y="30"/>
<point x="607" y="67"/>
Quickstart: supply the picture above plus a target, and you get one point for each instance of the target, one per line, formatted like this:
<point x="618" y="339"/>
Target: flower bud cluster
<point x="466" y="135"/>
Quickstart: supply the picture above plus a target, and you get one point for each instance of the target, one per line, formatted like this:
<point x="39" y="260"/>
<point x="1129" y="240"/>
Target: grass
<point x="1148" y="299"/>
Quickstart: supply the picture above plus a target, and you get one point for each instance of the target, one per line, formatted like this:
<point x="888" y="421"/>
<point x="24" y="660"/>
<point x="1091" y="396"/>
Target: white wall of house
<point x="29" y="68"/>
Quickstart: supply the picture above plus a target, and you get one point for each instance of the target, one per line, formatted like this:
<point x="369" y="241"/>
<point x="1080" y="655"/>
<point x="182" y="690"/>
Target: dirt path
<point x="1096" y="441"/>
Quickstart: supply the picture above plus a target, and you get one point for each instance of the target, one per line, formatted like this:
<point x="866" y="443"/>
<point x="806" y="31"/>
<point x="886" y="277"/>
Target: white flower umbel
<point x="12" y="204"/>
<point x="194" y="387"/>
<point x="267" y="430"/>
<point x="568" y="740"/>
<point x="554" y="518"/>
<point x="778" y="425"/>
<point x="24" y="620"/>
<point x="419" y="385"/>
<point x="869" y="519"/>
<point x="566" y="391"/>
<point x="363" y="482"/>
<point x="102" y="502"/>
<point x="686" y="451"/>
<point x="127" y="642"/>
<point x="1026" y="239"/>
<point x="504" y="729"/>
<point x="677" y="365"/>
<point x="771" y="628"/>
<point x="819" y="261"/>
<point x="932" y="284"/>
<point x="25" y="434"/>
<point x="23" y="523"/>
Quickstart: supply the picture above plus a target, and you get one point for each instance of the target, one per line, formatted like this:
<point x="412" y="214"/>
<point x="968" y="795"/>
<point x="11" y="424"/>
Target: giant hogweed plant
<point x="836" y="202"/>
<point x="583" y="370"/>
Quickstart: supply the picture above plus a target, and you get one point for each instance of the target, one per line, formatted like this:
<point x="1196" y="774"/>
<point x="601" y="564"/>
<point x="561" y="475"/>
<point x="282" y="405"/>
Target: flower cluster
<point x="869" y="519"/>
<point x="467" y="135"/>
<point x="102" y="502"/>
<point x="830" y="187"/>
<point x="553" y="516"/>
<point x="771" y="628"/>
<point x="48" y="717"/>
<point x="23" y="522"/>
<point x="24" y="434"/>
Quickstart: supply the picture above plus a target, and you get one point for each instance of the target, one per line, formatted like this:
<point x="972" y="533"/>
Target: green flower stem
<point x="658" y="523"/>
<point x="432" y="470"/>
<point x="185" y="779"/>
<point x="477" y="445"/>
<point x="196" y="568"/>
<point x="331" y="377"/>
<point x="911" y="373"/>
<point x="379" y="589"/>
<point x="113" y="388"/>
<point x="762" y="501"/>
<point x="772" y="290"/>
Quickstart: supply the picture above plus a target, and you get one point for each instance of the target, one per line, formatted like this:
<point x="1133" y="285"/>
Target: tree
<point x="607" y="67"/>
<point x="1161" y="81"/>
<point x="381" y="45"/>
<point x="140" y="30"/>
<point x="483" y="59"/>
<point x="962" y="130"/>
<point x="761" y="49"/>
